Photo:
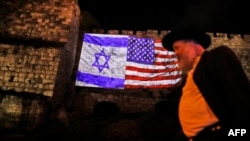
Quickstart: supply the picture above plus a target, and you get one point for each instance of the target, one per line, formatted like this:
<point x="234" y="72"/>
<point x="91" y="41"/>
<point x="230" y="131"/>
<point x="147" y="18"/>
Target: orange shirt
<point x="194" y="112"/>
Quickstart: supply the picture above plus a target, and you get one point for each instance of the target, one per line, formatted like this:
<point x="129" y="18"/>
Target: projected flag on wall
<point x="123" y="61"/>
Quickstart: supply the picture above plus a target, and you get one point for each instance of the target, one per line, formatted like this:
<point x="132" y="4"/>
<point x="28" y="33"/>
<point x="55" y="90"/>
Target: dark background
<point x="228" y="16"/>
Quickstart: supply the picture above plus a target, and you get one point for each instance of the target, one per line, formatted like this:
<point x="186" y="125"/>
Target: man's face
<point x="185" y="51"/>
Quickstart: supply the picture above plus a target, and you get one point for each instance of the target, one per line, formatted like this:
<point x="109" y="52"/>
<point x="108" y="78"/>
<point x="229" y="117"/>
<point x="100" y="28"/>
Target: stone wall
<point x="239" y="43"/>
<point x="38" y="41"/>
<point x="40" y="44"/>
<point x="28" y="69"/>
<point x="128" y="101"/>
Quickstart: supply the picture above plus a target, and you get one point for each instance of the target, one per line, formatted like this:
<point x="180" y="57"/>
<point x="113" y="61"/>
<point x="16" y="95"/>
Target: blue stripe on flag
<point x="108" y="41"/>
<point x="102" y="81"/>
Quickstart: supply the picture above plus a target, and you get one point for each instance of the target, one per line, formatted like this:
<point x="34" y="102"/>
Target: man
<point x="214" y="104"/>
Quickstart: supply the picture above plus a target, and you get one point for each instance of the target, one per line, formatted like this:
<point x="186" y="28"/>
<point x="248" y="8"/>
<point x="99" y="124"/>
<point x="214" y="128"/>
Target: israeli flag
<point x="102" y="61"/>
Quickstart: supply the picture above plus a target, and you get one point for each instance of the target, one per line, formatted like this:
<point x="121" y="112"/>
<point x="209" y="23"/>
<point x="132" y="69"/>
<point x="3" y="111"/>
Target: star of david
<point x="97" y="62"/>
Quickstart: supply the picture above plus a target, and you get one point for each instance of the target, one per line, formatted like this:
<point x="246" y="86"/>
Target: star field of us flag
<point x="123" y="61"/>
<point x="162" y="72"/>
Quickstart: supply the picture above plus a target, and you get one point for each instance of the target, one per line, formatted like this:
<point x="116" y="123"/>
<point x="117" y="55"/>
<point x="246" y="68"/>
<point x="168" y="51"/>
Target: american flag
<point x="123" y="61"/>
<point x="162" y="72"/>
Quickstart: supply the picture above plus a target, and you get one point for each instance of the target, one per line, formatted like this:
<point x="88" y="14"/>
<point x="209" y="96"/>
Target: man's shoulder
<point x="218" y="54"/>
<point x="222" y="51"/>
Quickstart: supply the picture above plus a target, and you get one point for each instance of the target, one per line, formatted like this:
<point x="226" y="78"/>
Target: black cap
<point x="186" y="34"/>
